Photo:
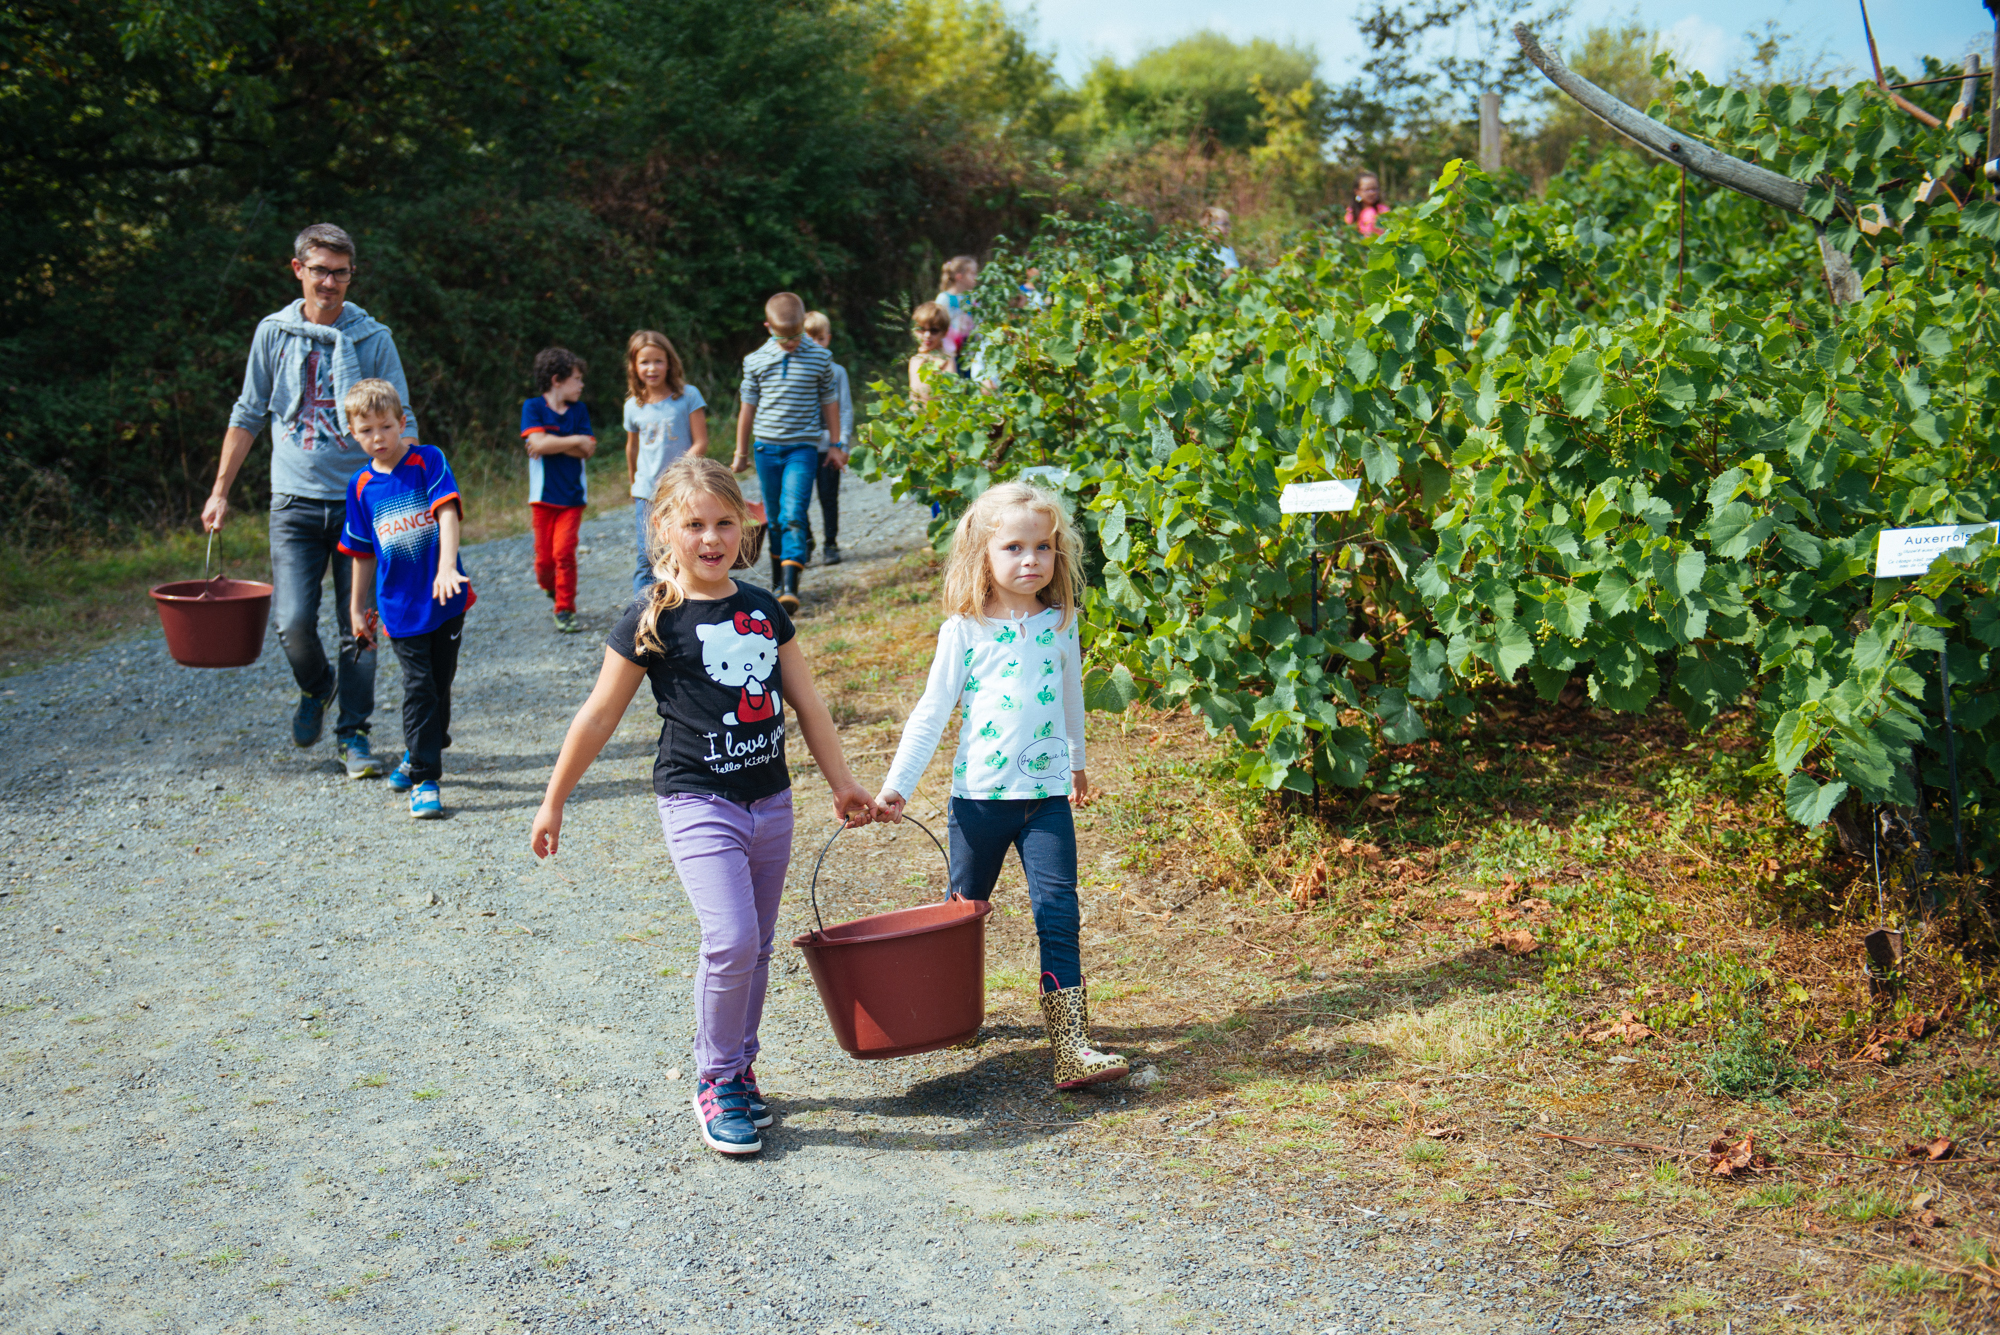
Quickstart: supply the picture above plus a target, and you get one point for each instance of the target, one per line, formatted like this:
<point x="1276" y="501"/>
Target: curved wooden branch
<point x="1757" y="182"/>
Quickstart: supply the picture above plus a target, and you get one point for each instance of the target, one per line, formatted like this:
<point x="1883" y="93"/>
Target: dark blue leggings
<point x="1044" y="833"/>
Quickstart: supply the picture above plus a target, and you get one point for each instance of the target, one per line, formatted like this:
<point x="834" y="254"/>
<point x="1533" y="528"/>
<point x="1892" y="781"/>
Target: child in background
<point x="930" y="324"/>
<point x="1008" y="665"/>
<point x="555" y="426"/>
<point x="960" y="276"/>
<point x="1364" y="215"/>
<point x="1215" y="222"/>
<point x="790" y="401"/>
<point x="403" y="520"/>
<point x="833" y="449"/>
<point x="723" y="665"/>
<point x="665" y="418"/>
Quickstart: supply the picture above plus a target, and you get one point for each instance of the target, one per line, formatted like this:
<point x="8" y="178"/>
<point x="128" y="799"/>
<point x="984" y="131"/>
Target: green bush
<point x="516" y="174"/>
<point x="1569" y="473"/>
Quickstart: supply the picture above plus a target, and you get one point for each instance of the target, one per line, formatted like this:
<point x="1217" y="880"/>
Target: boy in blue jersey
<point x="403" y="518"/>
<point x="555" y="426"/>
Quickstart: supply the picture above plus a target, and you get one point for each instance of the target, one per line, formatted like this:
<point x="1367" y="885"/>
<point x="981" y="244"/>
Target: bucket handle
<point x="208" y="556"/>
<point x="819" y="924"/>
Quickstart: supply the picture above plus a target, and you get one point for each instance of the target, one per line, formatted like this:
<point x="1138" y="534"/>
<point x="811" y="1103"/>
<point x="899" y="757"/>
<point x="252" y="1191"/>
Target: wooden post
<point x="1489" y="133"/>
<point x="1968" y="92"/>
<point x="1744" y="178"/>
<point x="1993" y="102"/>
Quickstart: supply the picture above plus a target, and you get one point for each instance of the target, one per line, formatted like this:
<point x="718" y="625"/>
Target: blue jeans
<point x="786" y="471"/>
<point x="1044" y="833"/>
<point x="304" y="532"/>
<point x="642" y="574"/>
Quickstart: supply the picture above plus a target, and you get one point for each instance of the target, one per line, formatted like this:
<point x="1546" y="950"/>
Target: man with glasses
<point x="303" y="360"/>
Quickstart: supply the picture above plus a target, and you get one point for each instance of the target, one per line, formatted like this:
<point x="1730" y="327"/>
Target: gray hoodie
<point x="312" y="453"/>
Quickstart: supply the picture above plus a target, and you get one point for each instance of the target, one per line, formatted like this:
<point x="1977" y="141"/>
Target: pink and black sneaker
<point x="760" y="1112"/>
<point x="722" y="1113"/>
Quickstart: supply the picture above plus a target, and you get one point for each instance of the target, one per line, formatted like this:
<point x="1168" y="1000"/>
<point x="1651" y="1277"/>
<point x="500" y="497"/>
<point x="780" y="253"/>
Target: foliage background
<point x="1590" y="462"/>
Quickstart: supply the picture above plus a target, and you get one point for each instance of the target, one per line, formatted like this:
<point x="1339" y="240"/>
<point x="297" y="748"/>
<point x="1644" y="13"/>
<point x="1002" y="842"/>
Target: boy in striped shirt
<point x="791" y="400"/>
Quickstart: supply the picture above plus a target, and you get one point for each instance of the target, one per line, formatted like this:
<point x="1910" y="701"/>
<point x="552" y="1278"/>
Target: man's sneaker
<point x="400" y="778"/>
<point x="760" y="1112"/>
<point x="722" y="1112"/>
<point x="832" y="557"/>
<point x="309" y="719"/>
<point x="360" y="761"/>
<point x="566" y="623"/>
<point x="426" y="803"/>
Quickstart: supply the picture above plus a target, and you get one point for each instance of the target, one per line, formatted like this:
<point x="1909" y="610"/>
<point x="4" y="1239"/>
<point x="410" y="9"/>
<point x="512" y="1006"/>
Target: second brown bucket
<point x="911" y="980"/>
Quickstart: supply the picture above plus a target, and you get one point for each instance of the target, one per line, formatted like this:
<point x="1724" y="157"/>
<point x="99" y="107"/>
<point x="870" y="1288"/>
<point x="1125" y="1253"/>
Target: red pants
<point x="555" y="550"/>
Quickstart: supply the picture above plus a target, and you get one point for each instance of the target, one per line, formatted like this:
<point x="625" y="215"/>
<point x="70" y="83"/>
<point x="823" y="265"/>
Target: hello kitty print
<point x="720" y="692"/>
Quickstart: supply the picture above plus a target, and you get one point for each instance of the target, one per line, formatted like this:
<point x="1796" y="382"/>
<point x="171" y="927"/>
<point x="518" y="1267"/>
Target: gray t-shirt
<point x="294" y="380"/>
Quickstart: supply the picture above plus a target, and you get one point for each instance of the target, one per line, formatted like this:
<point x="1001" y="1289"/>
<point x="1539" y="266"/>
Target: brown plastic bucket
<point x="214" y="623"/>
<point x="911" y="980"/>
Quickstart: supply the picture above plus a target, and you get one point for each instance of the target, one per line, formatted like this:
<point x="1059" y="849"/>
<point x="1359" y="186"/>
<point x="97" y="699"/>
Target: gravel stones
<point x="342" y="1070"/>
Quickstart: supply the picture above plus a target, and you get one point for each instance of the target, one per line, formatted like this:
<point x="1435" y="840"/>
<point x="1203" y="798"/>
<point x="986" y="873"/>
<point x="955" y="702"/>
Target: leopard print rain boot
<point x="1066" y="1014"/>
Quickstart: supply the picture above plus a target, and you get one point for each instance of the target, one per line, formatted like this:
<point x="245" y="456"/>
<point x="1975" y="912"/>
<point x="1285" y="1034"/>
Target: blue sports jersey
<point x="392" y="517"/>
<point x="556" y="479"/>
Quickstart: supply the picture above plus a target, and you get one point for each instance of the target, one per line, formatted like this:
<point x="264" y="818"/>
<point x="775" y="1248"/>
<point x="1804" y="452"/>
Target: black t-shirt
<point x="719" y="690"/>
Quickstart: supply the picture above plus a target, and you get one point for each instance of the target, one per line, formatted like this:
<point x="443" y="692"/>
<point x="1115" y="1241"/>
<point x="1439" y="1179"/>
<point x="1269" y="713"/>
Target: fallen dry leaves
<point x="1310" y="884"/>
<point x="1931" y="1151"/>
<point x="1516" y="942"/>
<point x="1627" y="1028"/>
<point x="1727" y="1158"/>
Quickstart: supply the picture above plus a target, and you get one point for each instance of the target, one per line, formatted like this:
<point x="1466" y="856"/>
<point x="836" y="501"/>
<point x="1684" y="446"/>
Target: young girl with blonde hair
<point x="956" y="281"/>
<point x="1009" y="666"/>
<point x="665" y="418"/>
<point x="723" y="665"/>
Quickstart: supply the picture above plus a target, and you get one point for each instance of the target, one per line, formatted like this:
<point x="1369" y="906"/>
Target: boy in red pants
<point x="556" y="428"/>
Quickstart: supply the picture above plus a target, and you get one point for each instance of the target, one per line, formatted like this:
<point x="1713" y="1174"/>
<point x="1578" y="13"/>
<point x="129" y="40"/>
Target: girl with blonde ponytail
<point x="724" y="665"/>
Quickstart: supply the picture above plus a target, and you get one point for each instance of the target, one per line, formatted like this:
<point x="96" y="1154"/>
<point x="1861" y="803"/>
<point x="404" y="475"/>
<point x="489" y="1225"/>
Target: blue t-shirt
<point x="664" y="434"/>
<point x="556" y="479"/>
<point x="392" y="517"/>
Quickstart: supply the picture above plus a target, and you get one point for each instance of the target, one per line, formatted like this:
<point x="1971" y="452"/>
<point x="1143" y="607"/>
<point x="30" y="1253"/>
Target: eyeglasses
<point x="342" y="276"/>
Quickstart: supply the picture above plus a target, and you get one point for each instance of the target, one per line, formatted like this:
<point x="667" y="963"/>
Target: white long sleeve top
<point x="1017" y="688"/>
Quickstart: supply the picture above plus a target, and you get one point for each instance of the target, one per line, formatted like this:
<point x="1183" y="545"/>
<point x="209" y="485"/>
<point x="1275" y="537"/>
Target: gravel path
<point x="277" y="1055"/>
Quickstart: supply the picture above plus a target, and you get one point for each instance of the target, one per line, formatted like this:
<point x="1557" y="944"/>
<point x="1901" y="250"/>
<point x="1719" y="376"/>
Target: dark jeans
<point x="785" y="474"/>
<point x="429" y="664"/>
<point x="1044" y="833"/>
<point x="829" y="501"/>
<point x="304" y="532"/>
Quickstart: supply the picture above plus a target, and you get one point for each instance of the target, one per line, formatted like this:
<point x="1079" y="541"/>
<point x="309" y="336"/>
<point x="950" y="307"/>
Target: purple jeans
<point x="731" y="859"/>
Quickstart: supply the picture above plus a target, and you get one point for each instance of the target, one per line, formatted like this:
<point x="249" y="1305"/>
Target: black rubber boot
<point x="777" y="572"/>
<point x="788" y="589"/>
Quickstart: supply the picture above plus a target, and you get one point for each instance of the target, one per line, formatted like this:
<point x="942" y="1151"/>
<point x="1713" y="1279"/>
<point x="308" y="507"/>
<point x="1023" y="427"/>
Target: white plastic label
<point x="1910" y="551"/>
<point x="1304" y="498"/>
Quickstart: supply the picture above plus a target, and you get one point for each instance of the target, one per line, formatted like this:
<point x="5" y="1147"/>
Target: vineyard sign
<point x="1910" y="551"/>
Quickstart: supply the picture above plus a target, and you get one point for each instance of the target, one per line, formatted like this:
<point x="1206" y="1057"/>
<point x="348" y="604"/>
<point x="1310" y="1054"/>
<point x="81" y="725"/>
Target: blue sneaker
<point x="760" y="1112"/>
<point x="722" y="1112"/>
<point x="425" y="801"/>
<point x="309" y="719"/>
<point x="400" y="780"/>
<point x="360" y="761"/>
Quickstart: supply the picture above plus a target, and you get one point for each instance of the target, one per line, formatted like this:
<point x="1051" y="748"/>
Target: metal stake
<point x="1951" y="761"/>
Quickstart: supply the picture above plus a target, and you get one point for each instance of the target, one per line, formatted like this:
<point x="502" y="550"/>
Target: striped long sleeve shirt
<point x="787" y="390"/>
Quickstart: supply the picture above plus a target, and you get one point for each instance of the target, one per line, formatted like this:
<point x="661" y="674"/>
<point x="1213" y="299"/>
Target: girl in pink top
<point x="1364" y="214"/>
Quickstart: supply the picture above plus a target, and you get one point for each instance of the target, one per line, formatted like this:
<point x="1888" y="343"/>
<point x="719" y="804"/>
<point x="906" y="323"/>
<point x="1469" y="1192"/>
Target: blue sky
<point x="1707" y="33"/>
